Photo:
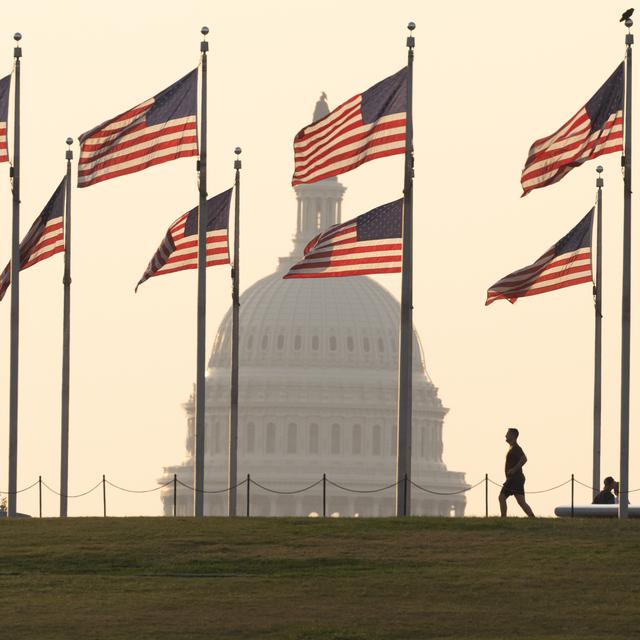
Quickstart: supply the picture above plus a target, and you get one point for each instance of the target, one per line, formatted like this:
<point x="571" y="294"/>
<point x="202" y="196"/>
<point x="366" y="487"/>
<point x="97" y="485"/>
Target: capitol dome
<point x="342" y="323"/>
<point x="318" y="362"/>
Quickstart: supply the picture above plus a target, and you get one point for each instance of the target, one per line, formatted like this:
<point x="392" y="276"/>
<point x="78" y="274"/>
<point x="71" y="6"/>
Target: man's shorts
<point x="513" y="486"/>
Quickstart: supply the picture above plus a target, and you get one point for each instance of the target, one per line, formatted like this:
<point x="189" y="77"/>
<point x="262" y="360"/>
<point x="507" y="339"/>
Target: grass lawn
<point x="312" y="579"/>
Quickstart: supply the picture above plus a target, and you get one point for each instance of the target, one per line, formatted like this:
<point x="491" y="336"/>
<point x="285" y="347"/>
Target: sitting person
<point x="606" y="495"/>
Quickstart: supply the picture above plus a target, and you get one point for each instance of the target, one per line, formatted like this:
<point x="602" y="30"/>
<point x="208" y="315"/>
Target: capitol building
<point x="318" y="362"/>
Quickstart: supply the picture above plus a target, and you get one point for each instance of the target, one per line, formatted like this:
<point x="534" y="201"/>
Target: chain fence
<point x="324" y="481"/>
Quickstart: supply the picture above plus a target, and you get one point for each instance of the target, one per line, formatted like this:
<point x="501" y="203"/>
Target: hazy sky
<point x="488" y="81"/>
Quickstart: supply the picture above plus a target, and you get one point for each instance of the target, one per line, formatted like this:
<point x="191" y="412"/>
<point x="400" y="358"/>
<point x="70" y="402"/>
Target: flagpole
<point x="202" y="291"/>
<point x="597" y="374"/>
<point x="66" y="341"/>
<point x="623" y="507"/>
<point x="235" y="337"/>
<point x="15" y="291"/>
<point x="405" y="383"/>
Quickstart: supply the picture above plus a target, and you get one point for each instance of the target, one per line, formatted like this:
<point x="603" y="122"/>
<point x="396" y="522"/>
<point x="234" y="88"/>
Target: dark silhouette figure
<point x="514" y="484"/>
<point x="627" y="14"/>
<point x="606" y="495"/>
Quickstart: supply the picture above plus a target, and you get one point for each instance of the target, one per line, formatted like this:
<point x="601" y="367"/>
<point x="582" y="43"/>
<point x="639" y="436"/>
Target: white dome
<point x="315" y="323"/>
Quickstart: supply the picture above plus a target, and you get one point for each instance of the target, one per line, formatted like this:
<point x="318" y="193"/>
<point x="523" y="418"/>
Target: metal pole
<point x="404" y="493"/>
<point x="248" y="495"/>
<point x="572" y="492"/>
<point x="324" y="495"/>
<point x="597" y="374"/>
<point x="175" y="494"/>
<point x="202" y="293"/>
<point x="40" y="495"/>
<point x="486" y="495"/>
<point x="403" y="465"/>
<point x="235" y="337"/>
<point x="66" y="341"/>
<point x="104" y="496"/>
<point x="15" y="293"/>
<point x="623" y="506"/>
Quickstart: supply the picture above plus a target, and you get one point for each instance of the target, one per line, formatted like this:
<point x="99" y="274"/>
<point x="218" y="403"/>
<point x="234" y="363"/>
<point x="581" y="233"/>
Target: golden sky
<point x="489" y="79"/>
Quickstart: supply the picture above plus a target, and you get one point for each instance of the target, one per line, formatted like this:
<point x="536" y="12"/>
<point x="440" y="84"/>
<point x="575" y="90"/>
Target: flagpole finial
<point x="69" y="141"/>
<point x="599" y="168"/>
<point x="17" y="50"/>
<point x="411" y="41"/>
<point x="204" y="45"/>
<point x="69" y="153"/>
<point x="237" y="164"/>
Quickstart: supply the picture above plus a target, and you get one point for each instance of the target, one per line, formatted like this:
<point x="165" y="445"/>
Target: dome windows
<point x="315" y="343"/>
<point x="280" y="342"/>
<point x="333" y="343"/>
<point x="366" y="345"/>
<point x="265" y="342"/>
<point x="297" y="343"/>
<point x="380" y="345"/>
<point x="270" y="438"/>
<point x="349" y="343"/>
<point x="292" y="438"/>
<point x="314" y="442"/>
<point x="376" y="444"/>
<point x="335" y="439"/>
<point x="356" y="440"/>
<point x="250" y="342"/>
<point x="251" y="437"/>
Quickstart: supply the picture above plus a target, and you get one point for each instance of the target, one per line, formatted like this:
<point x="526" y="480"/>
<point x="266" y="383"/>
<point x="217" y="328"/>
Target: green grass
<point x="313" y="579"/>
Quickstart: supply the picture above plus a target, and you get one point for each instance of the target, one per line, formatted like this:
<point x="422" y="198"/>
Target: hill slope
<point x="313" y="579"/>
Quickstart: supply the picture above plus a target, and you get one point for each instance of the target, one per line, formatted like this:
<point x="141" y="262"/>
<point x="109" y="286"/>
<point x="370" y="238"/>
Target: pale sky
<point x="489" y="79"/>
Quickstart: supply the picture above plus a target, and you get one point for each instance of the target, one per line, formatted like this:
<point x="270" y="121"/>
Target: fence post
<point x="175" y="494"/>
<point x="404" y="497"/>
<point x="572" y="487"/>
<point x="324" y="495"/>
<point x="248" y="494"/>
<point x="486" y="495"/>
<point x="104" y="496"/>
<point x="40" y="494"/>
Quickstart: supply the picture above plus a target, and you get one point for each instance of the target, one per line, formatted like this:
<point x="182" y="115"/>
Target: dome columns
<point x="319" y="207"/>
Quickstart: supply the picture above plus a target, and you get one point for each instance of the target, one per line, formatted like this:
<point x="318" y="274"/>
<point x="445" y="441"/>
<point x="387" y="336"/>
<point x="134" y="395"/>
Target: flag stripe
<point x="370" y="125"/>
<point x="178" y="250"/>
<point x="158" y="130"/>
<point x="596" y="129"/>
<point x="567" y="263"/>
<point x="370" y="243"/>
<point x="44" y="239"/>
<point x="138" y="167"/>
<point x="5" y="87"/>
<point x="133" y="156"/>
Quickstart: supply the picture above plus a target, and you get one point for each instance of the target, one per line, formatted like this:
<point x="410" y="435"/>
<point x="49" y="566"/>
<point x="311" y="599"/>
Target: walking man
<point x="514" y="483"/>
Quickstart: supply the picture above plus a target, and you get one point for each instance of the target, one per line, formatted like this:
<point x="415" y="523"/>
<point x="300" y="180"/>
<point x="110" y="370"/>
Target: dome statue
<point x="322" y="108"/>
<point x="318" y="361"/>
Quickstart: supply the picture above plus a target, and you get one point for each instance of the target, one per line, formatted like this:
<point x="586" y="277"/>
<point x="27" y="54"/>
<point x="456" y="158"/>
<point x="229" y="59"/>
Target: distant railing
<point x="248" y="482"/>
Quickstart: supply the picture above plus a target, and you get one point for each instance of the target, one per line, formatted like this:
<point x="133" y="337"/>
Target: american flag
<point x="370" y="243"/>
<point x="44" y="239"/>
<point x="566" y="263"/>
<point x="160" y="129"/>
<point x="179" y="248"/>
<point x="5" y="85"/>
<point x="368" y="126"/>
<point x="595" y="130"/>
